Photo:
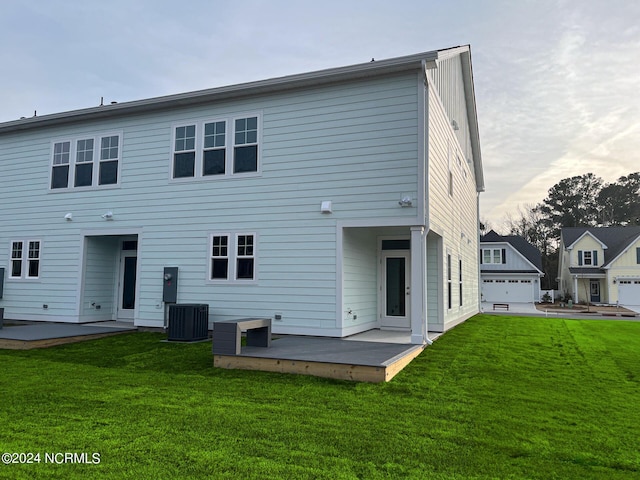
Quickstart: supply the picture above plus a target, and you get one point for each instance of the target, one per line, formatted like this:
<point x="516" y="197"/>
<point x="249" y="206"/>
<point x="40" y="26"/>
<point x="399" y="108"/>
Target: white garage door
<point x="507" y="290"/>
<point x="629" y="292"/>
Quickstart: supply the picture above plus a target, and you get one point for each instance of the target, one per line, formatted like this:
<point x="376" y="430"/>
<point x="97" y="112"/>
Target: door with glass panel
<point x="395" y="290"/>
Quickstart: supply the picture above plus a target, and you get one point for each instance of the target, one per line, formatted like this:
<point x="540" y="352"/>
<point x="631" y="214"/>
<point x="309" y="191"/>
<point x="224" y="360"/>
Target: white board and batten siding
<point x="354" y="144"/>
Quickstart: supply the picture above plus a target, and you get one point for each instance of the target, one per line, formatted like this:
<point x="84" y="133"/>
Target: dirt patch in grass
<point x="581" y="308"/>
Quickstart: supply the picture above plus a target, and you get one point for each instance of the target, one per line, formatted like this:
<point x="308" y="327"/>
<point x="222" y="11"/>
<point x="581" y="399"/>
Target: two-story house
<point x="600" y="265"/>
<point x="334" y="202"/>
<point x="510" y="269"/>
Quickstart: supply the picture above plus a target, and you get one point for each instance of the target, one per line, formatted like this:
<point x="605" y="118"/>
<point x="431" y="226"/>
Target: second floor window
<point x="494" y="255"/>
<point x="86" y="162"/>
<point x="588" y="258"/>
<point x="216" y="148"/>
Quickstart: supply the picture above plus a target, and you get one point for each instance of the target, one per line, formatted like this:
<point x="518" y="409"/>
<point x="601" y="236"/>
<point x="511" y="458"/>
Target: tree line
<point x="579" y="201"/>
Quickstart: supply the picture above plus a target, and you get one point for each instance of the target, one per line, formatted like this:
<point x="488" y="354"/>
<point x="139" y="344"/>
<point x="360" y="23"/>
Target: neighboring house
<point x="600" y="264"/>
<point x="333" y="202"/>
<point x="510" y="269"/>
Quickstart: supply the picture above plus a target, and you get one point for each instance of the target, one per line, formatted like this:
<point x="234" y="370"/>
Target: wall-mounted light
<point x="405" y="201"/>
<point x="454" y="124"/>
<point x="108" y="215"/>
<point x="68" y="217"/>
<point x="326" y="206"/>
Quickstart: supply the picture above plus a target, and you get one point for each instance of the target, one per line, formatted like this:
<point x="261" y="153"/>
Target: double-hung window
<point x="74" y="162"/>
<point x="493" y="256"/>
<point x="587" y="257"/>
<point x="25" y="259"/>
<point x="232" y="257"/>
<point x="216" y="148"/>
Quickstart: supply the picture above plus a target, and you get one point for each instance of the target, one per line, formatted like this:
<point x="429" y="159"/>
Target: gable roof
<point x="416" y="62"/>
<point x="617" y="239"/>
<point x="531" y="253"/>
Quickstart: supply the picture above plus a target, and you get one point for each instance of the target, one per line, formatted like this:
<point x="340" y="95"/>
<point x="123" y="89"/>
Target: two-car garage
<point x="509" y="289"/>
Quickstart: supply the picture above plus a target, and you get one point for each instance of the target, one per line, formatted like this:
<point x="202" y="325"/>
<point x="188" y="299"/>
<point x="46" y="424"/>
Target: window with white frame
<point x="232" y="257"/>
<point x="73" y="160"/>
<point x="25" y="259"/>
<point x="493" y="256"/>
<point x="587" y="258"/>
<point x="211" y="148"/>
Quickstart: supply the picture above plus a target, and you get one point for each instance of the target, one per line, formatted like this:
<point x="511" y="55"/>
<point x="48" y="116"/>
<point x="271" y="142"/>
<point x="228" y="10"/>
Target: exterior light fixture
<point x="108" y="215"/>
<point x="405" y="201"/>
<point x="68" y="217"/>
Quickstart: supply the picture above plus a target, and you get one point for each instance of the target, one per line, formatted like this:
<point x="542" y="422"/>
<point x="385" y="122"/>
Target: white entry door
<point x="395" y="290"/>
<point x="127" y="284"/>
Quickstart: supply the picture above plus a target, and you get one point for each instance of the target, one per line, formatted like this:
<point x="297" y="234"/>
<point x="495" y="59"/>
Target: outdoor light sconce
<point x="405" y="201"/>
<point x="68" y="217"/>
<point x="326" y="206"/>
<point x="108" y="215"/>
<point x="454" y="124"/>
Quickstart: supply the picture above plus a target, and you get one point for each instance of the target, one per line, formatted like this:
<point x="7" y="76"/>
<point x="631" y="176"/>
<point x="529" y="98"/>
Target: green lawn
<point x="496" y="397"/>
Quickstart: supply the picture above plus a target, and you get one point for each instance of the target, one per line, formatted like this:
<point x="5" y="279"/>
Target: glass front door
<point x="127" y="281"/>
<point x="396" y="290"/>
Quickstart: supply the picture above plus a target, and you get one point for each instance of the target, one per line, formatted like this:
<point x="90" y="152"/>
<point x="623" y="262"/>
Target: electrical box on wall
<point x="170" y="285"/>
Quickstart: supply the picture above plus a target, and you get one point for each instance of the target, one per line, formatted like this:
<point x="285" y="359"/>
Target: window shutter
<point x="595" y="258"/>
<point x="504" y="255"/>
<point x="482" y="254"/>
<point x="580" y="257"/>
<point x="638" y="255"/>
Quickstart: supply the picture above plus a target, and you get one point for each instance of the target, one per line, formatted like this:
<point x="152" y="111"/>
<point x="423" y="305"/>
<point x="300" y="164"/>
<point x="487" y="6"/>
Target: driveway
<point x="514" y="307"/>
<point x="633" y="308"/>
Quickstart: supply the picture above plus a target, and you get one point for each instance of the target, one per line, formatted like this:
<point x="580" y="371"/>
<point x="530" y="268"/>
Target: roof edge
<point x="275" y="84"/>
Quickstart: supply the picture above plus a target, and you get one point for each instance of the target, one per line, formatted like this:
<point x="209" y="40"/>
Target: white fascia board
<point x="587" y="232"/>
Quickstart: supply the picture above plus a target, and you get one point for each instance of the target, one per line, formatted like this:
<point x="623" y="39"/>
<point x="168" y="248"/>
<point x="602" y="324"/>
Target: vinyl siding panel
<point x="454" y="217"/>
<point x="353" y="143"/>
<point x="360" y="276"/>
<point x="515" y="261"/>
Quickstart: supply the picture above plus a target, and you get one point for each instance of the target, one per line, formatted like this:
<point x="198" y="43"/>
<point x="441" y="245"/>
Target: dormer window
<point x="587" y="258"/>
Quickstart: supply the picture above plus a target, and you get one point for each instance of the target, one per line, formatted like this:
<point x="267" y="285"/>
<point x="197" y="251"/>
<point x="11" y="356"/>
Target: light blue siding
<point x="353" y="143"/>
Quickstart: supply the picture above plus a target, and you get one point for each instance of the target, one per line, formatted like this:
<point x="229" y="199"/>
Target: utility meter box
<point x="170" y="285"/>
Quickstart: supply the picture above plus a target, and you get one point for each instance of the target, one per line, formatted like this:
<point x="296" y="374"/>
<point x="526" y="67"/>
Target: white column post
<point x="418" y="286"/>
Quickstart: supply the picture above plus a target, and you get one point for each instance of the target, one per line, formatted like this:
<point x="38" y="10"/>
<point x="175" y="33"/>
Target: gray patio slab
<point x="331" y="350"/>
<point x="45" y="331"/>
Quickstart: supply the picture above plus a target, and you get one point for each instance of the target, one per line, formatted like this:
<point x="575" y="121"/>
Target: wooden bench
<point x="227" y="334"/>
<point x="504" y="306"/>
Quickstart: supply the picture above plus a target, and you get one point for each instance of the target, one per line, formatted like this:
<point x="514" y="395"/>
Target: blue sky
<point x="556" y="80"/>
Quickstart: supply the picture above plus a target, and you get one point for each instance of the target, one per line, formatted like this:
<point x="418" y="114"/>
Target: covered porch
<point x="391" y="280"/>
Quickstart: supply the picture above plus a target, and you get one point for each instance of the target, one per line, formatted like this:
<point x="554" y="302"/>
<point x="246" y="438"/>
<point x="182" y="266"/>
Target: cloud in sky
<point x="556" y="80"/>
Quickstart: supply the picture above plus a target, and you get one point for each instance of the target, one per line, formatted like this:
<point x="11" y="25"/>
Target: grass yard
<point x="497" y="397"/>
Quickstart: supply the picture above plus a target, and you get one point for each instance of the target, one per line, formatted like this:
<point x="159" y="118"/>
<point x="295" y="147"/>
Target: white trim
<point x="422" y="146"/>
<point x="587" y="232"/>
<point x="24" y="260"/>
<point x="229" y="145"/>
<point x="380" y="222"/>
<point x="232" y="257"/>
